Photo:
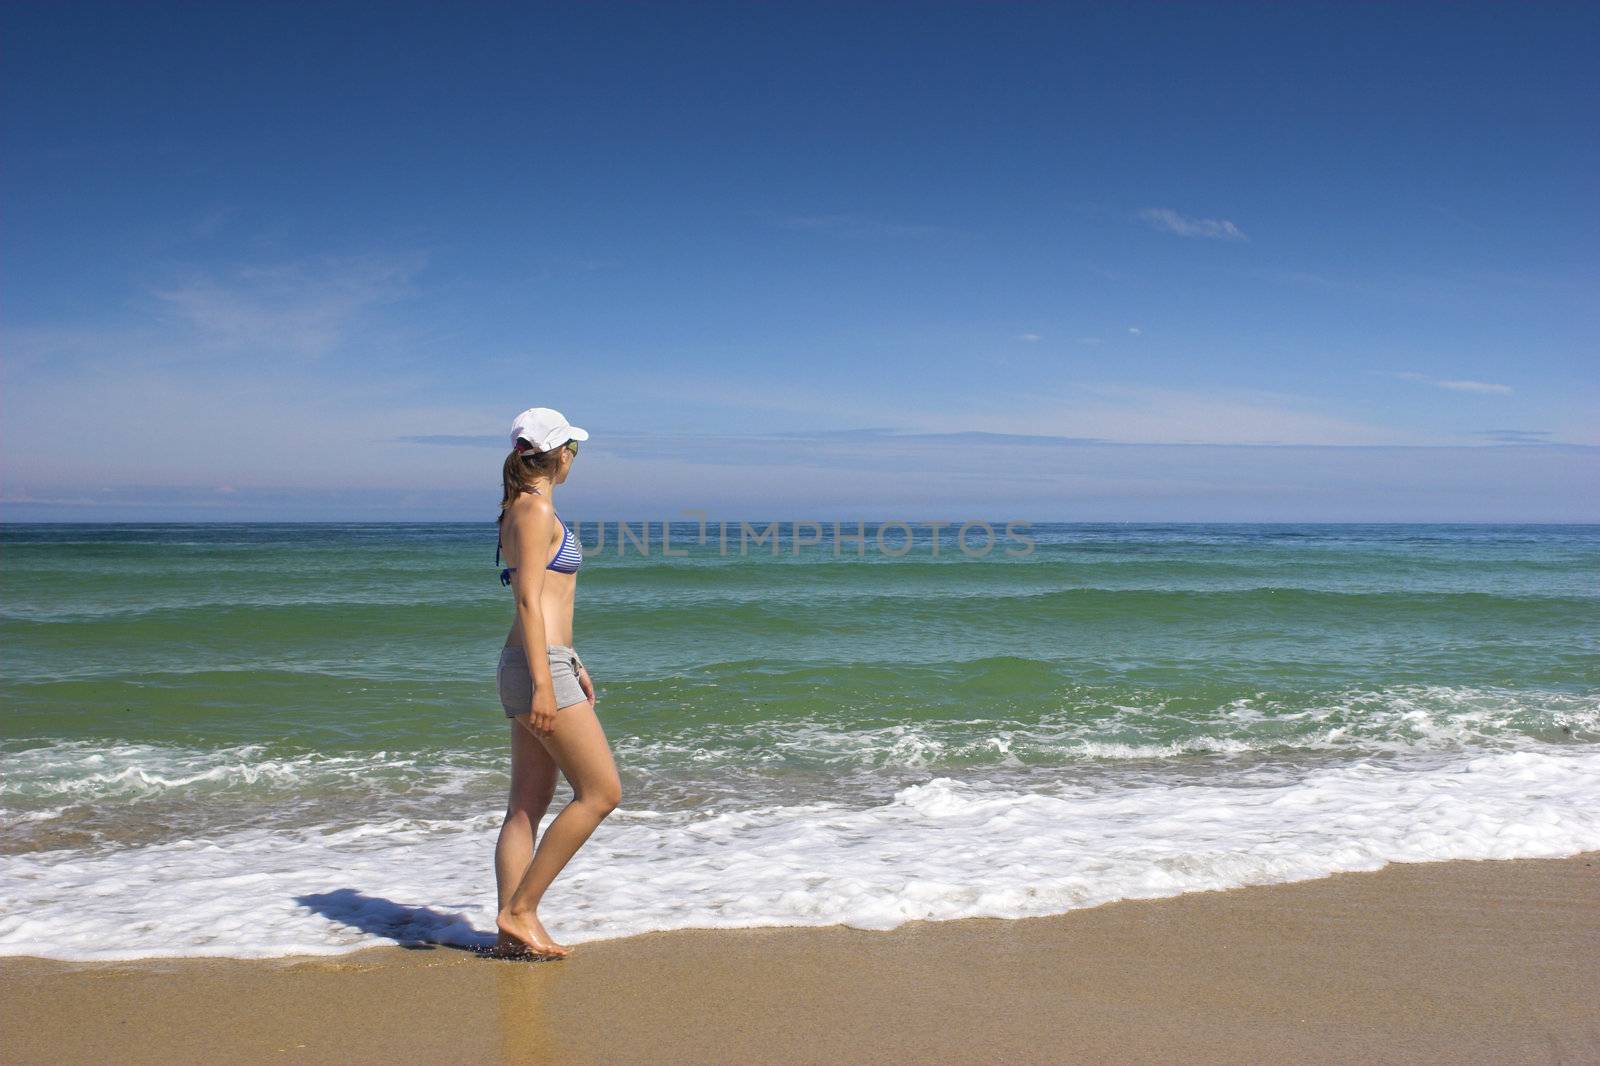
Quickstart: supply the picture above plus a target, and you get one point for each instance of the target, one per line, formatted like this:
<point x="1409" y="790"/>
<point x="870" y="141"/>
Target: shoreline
<point x="1475" y="961"/>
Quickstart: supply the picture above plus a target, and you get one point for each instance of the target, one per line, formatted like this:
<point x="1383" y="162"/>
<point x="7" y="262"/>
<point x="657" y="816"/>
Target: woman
<point x="544" y="688"/>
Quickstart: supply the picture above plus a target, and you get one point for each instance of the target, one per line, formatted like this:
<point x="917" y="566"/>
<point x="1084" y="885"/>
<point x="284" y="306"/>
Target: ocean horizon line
<point x="5" y="523"/>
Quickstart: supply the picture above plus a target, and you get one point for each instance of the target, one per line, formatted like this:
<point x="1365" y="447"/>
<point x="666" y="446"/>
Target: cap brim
<point x="578" y="434"/>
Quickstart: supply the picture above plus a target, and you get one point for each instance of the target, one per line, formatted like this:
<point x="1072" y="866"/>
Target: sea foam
<point x="938" y="849"/>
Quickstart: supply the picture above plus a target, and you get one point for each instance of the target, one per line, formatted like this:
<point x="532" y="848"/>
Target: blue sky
<point x="1011" y="261"/>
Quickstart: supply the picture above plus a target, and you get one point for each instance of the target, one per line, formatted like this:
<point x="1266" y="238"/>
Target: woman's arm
<point x="586" y="682"/>
<point x="530" y="524"/>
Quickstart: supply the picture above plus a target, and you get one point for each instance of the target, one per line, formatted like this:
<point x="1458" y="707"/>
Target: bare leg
<point x="533" y="785"/>
<point x="578" y="746"/>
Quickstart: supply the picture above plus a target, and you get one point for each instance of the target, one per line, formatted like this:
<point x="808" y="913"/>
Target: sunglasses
<point x="573" y="445"/>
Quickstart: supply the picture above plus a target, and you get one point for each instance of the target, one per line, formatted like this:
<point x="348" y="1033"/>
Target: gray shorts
<point x="516" y="684"/>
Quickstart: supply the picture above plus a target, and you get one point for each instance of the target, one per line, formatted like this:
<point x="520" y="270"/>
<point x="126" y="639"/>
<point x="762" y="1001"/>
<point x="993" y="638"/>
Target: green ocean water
<point x="385" y="636"/>
<point x="167" y="682"/>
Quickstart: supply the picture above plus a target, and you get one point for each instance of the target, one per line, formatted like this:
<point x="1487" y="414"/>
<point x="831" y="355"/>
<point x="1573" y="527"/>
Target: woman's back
<point x="558" y="584"/>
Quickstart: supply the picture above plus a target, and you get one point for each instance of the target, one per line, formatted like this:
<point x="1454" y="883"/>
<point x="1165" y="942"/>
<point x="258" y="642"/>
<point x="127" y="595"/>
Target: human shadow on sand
<point x="416" y="928"/>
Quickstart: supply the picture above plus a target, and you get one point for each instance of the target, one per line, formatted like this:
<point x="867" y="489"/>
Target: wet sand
<point x="1460" y="963"/>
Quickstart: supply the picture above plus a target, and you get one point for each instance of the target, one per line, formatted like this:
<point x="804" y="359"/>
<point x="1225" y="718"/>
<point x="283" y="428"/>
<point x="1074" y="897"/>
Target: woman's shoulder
<point x="529" y="504"/>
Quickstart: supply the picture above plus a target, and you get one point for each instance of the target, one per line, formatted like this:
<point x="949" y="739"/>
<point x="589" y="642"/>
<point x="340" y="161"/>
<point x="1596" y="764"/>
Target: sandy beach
<point x="1462" y="962"/>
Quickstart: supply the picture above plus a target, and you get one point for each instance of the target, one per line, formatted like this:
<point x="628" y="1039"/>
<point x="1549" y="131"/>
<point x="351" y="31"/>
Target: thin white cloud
<point x="305" y="307"/>
<point x="163" y="425"/>
<point x="1454" y="384"/>
<point x="1475" y="386"/>
<point x="1113" y="412"/>
<point x="1136" y="331"/>
<point x="1029" y="337"/>
<point x="1139" y="414"/>
<point x="1170" y="221"/>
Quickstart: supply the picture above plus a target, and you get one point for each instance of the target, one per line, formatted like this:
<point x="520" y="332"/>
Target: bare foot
<point x="507" y="947"/>
<point x="526" y="929"/>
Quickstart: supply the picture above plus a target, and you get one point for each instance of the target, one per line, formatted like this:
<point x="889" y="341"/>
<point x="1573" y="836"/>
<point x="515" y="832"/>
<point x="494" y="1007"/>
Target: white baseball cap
<point x="544" y="429"/>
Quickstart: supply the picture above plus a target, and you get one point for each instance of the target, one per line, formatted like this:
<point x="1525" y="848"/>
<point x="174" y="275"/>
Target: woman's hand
<point x="542" y="715"/>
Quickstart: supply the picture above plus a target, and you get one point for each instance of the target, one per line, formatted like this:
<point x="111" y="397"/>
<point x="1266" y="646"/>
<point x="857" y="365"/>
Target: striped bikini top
<point x="568" y="557"/>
